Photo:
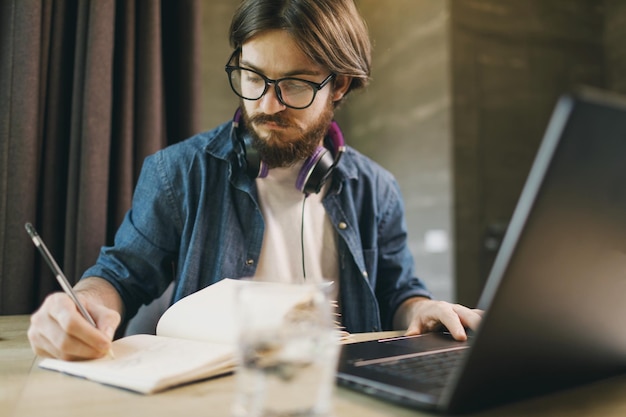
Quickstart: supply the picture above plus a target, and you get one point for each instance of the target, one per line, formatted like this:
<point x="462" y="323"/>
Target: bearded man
<point x="274" y="193"/>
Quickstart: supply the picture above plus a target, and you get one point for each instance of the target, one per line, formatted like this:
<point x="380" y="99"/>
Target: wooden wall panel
<point x="510" y="62"/>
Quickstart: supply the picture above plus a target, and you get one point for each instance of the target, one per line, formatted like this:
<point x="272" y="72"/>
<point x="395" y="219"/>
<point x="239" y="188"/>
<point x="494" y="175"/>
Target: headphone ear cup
<point x="255" y="167"/>
<point x="315" y="171"/>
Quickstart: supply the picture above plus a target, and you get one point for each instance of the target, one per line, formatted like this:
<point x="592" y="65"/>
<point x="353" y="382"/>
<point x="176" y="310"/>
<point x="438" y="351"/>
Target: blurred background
<point x="461" y="93"/>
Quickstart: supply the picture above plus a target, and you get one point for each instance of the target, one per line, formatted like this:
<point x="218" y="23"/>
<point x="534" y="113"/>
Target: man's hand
<point x="420" y="315"/>
<point x="58" y="330"/>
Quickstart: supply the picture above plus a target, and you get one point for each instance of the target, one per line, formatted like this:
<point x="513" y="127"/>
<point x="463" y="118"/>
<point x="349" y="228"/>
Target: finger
<point x="77" y="338"/>
<point x="455" y="327"/>
<point x="49" y="338"/>
<point x="39" y="344"/>
<point x="67" y="348"/>
<point x="42" y="324"/>
<point x="449" y="316"/>
<point x="428" y="315"/>
<point x="107" y="320"/>
<point x="424" y="319"/>
<point x="469" y="318"/>
<point x="414" y="329"/>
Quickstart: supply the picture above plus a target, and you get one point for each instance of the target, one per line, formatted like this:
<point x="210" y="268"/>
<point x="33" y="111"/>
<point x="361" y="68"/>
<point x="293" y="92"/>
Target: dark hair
<point x="332" y="33"/>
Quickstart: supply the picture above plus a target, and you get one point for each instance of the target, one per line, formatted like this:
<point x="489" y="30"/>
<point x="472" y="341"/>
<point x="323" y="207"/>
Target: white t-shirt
<point x="288" y="234"/>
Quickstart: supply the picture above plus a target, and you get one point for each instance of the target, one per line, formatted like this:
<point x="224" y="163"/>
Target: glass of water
<point x="287" y="350"/>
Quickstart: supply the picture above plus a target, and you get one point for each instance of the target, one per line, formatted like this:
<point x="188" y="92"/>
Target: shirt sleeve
<point x="141" y="262"/>
<point x="396" y="280"/>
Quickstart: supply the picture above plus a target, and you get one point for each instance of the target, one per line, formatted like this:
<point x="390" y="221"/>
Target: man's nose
<point x="270" y="104"/>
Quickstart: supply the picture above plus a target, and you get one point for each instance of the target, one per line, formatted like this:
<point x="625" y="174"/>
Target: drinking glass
<point x="287" y="350"/>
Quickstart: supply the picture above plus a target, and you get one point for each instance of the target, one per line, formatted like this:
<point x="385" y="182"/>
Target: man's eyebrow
<point x="292" y="73"/>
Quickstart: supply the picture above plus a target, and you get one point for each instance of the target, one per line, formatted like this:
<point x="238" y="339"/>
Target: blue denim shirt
<point x="195" y="219"/>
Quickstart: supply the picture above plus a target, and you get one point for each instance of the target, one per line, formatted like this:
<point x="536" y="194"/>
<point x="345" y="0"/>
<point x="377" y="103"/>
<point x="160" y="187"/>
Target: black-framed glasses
<point x="292" y="92"/>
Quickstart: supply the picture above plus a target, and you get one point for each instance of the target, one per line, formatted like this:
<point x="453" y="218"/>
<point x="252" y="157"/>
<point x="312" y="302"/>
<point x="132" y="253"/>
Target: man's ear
<point x="341" y="85"/>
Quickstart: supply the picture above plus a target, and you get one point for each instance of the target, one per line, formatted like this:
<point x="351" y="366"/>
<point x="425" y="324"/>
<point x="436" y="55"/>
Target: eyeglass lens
<point x="251" y="86"/>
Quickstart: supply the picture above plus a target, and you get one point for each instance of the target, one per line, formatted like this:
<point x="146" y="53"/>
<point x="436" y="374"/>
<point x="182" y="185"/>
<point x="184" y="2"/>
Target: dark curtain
<point x="88" y="88"/>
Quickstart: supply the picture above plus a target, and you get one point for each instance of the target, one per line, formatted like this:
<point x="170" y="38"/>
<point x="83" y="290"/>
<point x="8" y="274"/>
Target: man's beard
<point x="278" y="152"/>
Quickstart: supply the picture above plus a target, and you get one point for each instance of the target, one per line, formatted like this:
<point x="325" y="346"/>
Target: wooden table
<point x="26" y="390"/>
<point x="16" y="360"/>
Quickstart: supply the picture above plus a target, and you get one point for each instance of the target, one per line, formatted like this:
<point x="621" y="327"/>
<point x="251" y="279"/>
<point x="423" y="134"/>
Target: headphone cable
<point x="302" y="237"/>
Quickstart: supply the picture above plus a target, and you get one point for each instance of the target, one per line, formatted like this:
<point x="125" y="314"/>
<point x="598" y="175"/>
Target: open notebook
<point x="195" y="339"/>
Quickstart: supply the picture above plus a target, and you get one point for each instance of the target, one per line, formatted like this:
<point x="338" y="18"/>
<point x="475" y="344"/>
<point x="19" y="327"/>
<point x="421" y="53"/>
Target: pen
<point x="60" y="276"/>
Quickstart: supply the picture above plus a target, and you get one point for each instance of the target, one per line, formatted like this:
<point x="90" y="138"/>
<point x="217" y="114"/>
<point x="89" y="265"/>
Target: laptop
<point x="555" y="299"/>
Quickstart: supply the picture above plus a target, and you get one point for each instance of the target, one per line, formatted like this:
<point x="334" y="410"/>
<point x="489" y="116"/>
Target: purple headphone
<point x="316" y="169"/>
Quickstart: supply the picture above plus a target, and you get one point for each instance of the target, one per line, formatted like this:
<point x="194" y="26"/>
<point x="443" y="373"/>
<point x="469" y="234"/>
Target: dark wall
<point x="402" y="121"/>
<point x="615" y="44"/>
<point x="510" y="62"/>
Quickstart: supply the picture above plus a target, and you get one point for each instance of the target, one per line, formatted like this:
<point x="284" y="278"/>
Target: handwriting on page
<point x="147" y="363"/>
<point x="142" y="353"/>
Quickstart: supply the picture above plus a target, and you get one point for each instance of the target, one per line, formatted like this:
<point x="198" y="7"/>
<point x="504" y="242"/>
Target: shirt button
<point x="342" y="226"/>
<point x="250" y="262"/>
<point x="365" y="274"/>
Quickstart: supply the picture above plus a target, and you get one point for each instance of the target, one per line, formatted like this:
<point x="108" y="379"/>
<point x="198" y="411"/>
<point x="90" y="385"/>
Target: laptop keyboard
<point x="433" y="369"/>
